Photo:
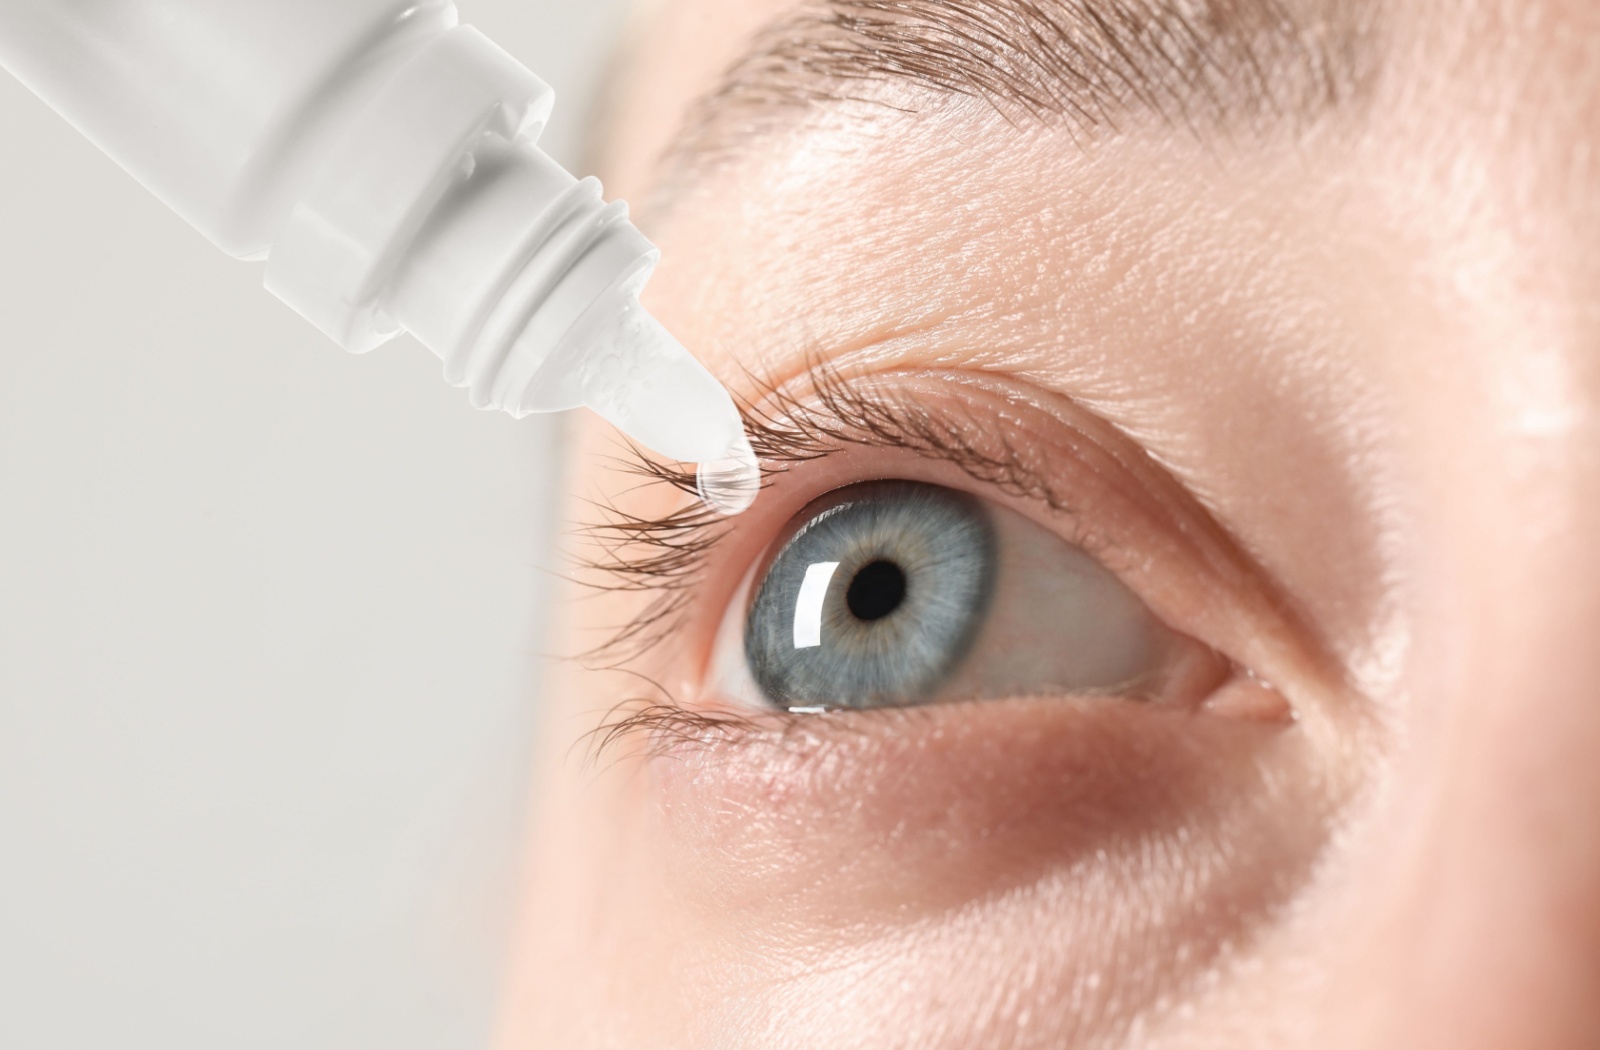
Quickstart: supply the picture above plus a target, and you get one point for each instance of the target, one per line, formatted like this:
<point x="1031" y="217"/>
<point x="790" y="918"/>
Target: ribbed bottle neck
<point x="439" y="215"/>
<point x="519" y="261"/>
<point x="388" y="176"/>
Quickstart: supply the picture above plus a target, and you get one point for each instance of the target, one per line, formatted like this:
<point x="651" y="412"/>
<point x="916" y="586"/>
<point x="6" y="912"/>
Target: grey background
<point x="268" y="627"/>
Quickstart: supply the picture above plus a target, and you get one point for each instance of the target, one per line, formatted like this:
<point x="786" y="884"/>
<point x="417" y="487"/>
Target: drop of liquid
<point x="730" y="485"/>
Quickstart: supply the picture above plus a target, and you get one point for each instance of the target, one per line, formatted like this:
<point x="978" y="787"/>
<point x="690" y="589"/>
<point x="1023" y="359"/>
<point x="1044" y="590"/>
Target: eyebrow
<point x="1092" y="67"/>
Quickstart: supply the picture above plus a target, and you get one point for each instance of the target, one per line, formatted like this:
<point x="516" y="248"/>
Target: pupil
<point x="877" y="591"/>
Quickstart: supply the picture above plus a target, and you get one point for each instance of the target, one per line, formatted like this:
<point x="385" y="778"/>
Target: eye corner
<point x="1246" y="697"/>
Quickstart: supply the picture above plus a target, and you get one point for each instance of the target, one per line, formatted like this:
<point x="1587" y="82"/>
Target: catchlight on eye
<point x="874" y="599"/>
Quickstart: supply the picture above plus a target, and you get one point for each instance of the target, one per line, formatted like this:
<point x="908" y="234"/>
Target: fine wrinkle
<point x="1092" y="66"/>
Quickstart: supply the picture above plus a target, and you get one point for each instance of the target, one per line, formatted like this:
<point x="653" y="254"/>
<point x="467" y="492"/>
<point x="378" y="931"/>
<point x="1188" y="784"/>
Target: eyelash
<point x="665" y="556"/>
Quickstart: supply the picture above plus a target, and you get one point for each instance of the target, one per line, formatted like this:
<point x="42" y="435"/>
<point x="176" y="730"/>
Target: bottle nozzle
<point x="641" y="379"/>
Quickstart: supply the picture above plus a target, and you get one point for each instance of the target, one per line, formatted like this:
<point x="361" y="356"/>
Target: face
<point x="1170" y="617"/>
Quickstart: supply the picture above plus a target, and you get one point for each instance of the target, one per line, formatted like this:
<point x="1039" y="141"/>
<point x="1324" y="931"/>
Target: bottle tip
<point x="635" y="374"/>
<point x="643" y="380"/>
<point x="731" y="484"/>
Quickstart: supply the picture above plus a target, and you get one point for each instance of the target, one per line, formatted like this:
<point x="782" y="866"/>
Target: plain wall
<point x="268" y="624"/>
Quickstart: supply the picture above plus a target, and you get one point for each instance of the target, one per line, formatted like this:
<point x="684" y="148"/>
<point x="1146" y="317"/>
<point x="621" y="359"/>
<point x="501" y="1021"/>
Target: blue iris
<point x="875" y="600"/>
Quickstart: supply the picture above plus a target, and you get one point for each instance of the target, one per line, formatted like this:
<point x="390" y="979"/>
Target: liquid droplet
<point x="730" y="485"/>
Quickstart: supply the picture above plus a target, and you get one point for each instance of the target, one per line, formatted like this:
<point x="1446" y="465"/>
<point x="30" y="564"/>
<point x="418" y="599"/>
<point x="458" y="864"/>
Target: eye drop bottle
<point x="383" y="160"/>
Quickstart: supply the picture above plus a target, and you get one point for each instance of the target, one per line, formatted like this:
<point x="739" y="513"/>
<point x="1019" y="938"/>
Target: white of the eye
<point x="808" y="609"/>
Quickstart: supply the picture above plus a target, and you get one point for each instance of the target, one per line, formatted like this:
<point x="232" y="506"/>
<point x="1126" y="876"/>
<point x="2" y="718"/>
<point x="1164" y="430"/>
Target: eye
<point x="893" y="594"/>
<point x="875" y="599"/>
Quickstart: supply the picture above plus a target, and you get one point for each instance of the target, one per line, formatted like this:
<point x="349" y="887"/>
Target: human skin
<point x="1358" y="359"/>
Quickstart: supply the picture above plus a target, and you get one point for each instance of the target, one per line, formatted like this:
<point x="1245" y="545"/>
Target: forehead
<point x="1464" y="123"/>
<point x="1447" y="217"/>
<point x="678" y="51"/>
<point x="1090" y="60"/>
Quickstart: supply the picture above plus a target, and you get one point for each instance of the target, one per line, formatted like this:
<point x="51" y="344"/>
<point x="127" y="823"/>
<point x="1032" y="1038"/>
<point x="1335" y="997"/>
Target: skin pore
<point x="1297" y="335"/>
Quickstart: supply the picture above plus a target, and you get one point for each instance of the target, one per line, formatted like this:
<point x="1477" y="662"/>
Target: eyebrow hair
<point x="1093" y="67"/>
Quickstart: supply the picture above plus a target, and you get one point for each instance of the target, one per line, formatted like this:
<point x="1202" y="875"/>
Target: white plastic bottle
<point x="383" y="159"/>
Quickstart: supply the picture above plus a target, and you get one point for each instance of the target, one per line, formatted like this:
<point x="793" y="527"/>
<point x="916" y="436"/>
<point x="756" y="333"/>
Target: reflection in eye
<point x="898" y="593"/>
<point x="874" y="599"/>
